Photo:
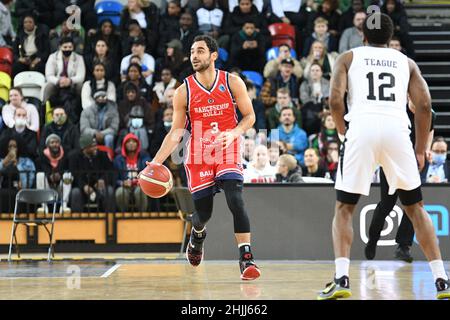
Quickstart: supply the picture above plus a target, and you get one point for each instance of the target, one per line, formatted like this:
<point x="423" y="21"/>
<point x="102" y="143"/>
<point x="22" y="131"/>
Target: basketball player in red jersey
<point x="206" y="102"/>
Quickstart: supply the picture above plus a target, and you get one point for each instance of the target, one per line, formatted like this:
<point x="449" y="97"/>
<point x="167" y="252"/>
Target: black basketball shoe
<point x="339" y="288"/>
<point x="443" y="288"/>
<point x="249" y="269"/>
<point x="194" y="250"/>
<point x="371" y="249"/>
<point x="403" y="253"/>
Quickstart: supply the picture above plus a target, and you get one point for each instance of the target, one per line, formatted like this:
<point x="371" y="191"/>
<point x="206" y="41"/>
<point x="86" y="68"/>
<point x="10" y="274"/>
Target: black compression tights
<point x="233" y="195"/>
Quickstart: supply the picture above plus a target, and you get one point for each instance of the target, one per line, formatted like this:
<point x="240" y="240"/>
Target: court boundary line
<point x="110" y="271"/>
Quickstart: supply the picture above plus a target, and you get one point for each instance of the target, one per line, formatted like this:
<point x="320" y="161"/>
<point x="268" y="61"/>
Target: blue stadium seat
<point x="109" y="10"/>
<point x="255" y="77"/>
<point x="223" y="58"/>
<point x="272" y="53"/>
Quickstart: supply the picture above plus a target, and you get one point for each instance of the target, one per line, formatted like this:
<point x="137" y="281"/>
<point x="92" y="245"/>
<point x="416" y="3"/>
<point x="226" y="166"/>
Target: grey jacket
<point x="89" y="120"/>
<point x="6" y="27"/>
<point x="350" y="39"/>
<point x="306" y="90"/>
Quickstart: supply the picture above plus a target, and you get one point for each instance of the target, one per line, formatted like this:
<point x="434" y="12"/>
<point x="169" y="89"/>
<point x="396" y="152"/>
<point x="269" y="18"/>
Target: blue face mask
<point x="137" y="122"/>
<point x="439" y="159"/>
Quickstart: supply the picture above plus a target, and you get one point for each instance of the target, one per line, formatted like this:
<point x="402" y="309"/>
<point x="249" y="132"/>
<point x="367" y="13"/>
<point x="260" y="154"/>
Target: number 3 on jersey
<point x="214" y="127"/>
<point x="381" y="94"/>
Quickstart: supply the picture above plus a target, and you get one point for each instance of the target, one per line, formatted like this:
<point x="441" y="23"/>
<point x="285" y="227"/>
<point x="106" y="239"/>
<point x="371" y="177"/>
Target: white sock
<point x="198" y="231"/>
<point x="342" y="267"/>
<point x="438" y="270"/>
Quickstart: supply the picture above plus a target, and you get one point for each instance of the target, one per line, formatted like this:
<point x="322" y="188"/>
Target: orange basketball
<point x="155" y="180"/>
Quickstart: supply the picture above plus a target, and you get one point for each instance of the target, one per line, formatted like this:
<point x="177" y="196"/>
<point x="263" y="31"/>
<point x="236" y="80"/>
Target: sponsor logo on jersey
<point x="210" y="101"/>
<point x="205" y="174"/>
<point x="222" y="88"/>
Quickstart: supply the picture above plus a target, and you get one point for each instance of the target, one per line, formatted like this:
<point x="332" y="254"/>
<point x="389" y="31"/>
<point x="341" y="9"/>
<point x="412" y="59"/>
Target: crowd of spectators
<point x="107" y="100"/>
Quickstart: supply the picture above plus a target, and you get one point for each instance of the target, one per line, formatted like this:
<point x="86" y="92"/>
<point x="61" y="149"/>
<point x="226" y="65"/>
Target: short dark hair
<point x="66" y="40"/>
<point x="134" y="65"/>
<point x="211" y="43"/>
<point x="395" y="38"/>
<point x="380" y="35"/>
<point x="287" y="108"/>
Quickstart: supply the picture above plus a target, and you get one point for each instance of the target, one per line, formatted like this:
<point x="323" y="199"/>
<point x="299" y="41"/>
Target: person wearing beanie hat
<point x="50" y="138"/>
<point x="92" y="171"/>
<point x="101" y="120"/>
<point x="53" y="171"/>
<point x="87" y="140"/>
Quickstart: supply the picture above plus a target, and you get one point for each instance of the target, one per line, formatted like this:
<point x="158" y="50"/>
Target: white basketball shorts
<point x="373" y="140"/>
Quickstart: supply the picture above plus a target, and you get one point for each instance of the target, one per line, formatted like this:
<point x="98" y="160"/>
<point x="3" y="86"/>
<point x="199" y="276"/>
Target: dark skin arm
<point x="420" y="97"/>
<point x="338" y="87"/>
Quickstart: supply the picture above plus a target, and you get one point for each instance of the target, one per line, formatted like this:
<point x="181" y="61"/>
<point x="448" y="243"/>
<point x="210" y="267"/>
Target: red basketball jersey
<point x="210" y="112"/>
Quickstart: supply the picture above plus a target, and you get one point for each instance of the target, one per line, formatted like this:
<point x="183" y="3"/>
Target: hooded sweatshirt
<point x="133" y="165"/>
<point x="131" y="161"/>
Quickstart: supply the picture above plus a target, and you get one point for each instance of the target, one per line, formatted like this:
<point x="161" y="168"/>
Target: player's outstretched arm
<point x="244" y="103"/>
<point x="175" y="134"/>
<point x="420" y="97"/>
<point x="338" y="87"/>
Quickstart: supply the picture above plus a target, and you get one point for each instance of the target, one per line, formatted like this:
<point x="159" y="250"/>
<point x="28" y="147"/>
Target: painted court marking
<point x="110" y="271"/>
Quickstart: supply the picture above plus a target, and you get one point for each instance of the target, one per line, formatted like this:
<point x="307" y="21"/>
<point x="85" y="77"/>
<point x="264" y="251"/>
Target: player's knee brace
<point x="203" y="211"/>
<point x="233" y="194"/>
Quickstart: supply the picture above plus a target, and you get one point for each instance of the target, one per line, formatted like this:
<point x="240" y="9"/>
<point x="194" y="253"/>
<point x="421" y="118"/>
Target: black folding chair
<point x="34" y="197"/>
<point x="186" y="207"/>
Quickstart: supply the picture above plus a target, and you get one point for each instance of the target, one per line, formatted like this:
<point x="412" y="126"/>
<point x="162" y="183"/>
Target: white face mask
<point x="137" y="122"/>
<point x="20" y="122"/>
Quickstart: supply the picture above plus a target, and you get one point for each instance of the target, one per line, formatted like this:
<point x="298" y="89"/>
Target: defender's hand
<point x="420" y="160"/>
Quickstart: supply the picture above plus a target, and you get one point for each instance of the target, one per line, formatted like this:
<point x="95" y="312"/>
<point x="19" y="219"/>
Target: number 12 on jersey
<point x="385" y="85"/>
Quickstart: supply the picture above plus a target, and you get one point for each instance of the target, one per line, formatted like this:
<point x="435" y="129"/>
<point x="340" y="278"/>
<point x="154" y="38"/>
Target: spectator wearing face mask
<point x="131" y="99"/>
<point x="161" y="129"/>
<point x="62" y="127"/>
<point x="21" y="133"/>
<point x="129" y="163"/>
<point x="260" y="170"/>
<point x="64" y="70"/>
<point x="101" y="120"/>
<point x="437" y="168"/>
<point x="16" y="101"/>
<point x="136" y="126"/>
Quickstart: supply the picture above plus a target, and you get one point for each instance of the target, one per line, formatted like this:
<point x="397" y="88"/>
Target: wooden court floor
<point x="213" y="280"/>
